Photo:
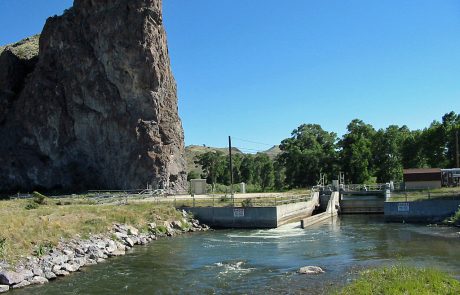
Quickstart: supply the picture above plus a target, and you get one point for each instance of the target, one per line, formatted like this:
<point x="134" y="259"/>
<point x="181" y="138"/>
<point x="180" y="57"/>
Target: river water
<point x="265" y="261"/>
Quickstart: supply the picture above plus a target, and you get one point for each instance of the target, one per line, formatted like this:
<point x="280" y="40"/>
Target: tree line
<point x="364" y="154"/>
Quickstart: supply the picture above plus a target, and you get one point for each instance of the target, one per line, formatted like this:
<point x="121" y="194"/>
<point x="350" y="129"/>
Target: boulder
<point x="39" y="280"/>
<point x="38" y="271"/>
<point x="10" y="278"/>
<point x="129" y="242"/>
<point x="50" y="275"/>
<point x="4" y="288"/>
<point x="111" y="246"/>
<point x="310" y="270"/>
<point x="117" y="253"/>
<point x="21" y="284"/>
<point x="61" y="272"/>
<point x="70" y="267"/>
<point x="132" y="230"/>
<point x="25" y="273"/>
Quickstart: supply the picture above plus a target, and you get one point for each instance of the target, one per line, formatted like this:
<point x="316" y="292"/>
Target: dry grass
<point x="420" y="195"/>
<point x="24" y="230"/>
<point x="26" y="48"/>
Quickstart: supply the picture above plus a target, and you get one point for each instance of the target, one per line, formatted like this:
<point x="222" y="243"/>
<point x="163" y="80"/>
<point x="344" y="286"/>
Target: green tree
<point x="450" y="125"/>
<point x="356" y="151"/>
<point x="280" y="175"/>
<point x="387" y="153"/>
<point x="192" y="175"/>
<point x="309" y="151"/>
<point x="213" y="165"/>
<point x="265" y="171"/>
<point x="247" y="169"/>
<point x="413" y="155"/>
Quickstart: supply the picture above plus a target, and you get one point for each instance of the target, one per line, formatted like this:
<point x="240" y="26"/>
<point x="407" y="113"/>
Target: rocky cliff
<point x="98" y="110"/>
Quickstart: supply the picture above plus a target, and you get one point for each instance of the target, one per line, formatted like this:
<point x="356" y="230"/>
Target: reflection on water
<point x="255" y="261"/>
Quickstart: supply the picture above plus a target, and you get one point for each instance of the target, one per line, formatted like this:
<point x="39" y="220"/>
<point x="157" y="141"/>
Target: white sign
<point x="403" y="207"/>
<point x="238" y="212"/>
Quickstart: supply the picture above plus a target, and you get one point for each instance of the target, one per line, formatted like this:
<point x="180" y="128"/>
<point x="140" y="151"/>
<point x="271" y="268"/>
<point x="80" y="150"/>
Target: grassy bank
<point x="402" y="280"/>
<point x="25" y="232"/>
<point x="447" y="193"/>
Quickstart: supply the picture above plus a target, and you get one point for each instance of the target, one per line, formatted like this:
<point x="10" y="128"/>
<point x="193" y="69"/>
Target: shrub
<point x="2" y="247"/>
<point x="247" y="203"/>
<point x="31" y="205"/>
<point x="42" y="249"/>
<point x="161" y="230"/>
<point x="39" y="198"/>
<point x="455" y="219"/>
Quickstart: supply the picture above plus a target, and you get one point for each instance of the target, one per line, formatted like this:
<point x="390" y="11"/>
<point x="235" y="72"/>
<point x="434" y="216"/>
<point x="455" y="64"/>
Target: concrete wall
<point x="293" y="212"/>
<point x="227" y="217"/>
<point x="254" y="217"/>
<point x="423" y="184"/>
<point x="421" y="211"/>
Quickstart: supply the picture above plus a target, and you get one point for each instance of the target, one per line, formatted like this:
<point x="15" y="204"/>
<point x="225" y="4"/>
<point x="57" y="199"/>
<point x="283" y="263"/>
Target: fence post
<point x="213" y="202"/>
<point x="193" y="201"/>
<point x="175" y="202"/>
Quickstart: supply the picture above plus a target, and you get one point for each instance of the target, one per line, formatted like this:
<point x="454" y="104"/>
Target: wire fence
<point x="420" y="195"/>
<point x="227" y="201"/>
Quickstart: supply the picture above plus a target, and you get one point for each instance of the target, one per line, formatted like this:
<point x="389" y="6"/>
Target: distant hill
<point x="273" y="151"/>
<point x="193" y="151"/>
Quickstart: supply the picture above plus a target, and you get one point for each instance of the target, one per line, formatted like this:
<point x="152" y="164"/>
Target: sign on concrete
<point x="238" y="213"/>
<point x="403" y="207"/>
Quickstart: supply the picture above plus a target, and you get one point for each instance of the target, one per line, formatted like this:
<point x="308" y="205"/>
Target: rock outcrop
<point x="99" y="109"/>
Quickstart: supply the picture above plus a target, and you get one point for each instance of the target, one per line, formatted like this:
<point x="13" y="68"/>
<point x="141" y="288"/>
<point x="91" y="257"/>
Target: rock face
<point x="99" y="111"/>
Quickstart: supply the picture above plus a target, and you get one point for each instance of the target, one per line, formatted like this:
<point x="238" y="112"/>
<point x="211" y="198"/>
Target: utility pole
<point x="456" y="147"/>
<point x="231" y="169"/>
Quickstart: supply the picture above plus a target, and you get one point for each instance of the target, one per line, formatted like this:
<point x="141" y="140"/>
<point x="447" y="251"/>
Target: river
<point x="265" y="261"/>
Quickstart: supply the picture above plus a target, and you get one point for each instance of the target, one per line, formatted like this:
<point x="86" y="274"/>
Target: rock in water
<point x="310" y="270"/>
<point x="99" y="110"/>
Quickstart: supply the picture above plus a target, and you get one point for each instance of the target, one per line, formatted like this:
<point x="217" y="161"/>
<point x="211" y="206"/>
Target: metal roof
<point x="422" y="170"/>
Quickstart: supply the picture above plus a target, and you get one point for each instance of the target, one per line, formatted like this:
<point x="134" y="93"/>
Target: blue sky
<point x="257" y="69"/>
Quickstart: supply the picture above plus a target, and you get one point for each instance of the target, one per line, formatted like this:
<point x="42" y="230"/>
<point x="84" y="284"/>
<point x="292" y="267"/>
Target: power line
<point x="250" y="141"/>
<point x="248" y="149"/>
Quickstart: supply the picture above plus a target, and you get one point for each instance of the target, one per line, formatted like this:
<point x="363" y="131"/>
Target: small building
<point x="198" y="186"/>
<point x="422" y="178"/>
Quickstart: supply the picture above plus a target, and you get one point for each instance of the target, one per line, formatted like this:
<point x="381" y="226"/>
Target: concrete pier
<point x="255" y="217"/>
<point x="331" y="211"/>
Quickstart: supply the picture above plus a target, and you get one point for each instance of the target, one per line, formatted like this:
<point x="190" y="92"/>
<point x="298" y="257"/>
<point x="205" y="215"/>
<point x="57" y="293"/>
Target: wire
<point x="250" y="141"/>
<point x="248" y="149"/>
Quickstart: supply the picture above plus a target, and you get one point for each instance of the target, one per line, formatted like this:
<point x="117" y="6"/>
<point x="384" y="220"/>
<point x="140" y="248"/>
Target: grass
<point x="402" y="280"/>
<point x="26" y="48"/>
<point x="455" y="219"/>
<point x="27" y="232"/>
<point x="420" y="195"/>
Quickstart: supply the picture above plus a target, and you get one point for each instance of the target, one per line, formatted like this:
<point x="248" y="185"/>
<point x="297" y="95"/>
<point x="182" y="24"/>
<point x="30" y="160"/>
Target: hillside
<point x="24" y="49"/>
<point x="273" y="151"/>
<point x="193" y="151"/>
